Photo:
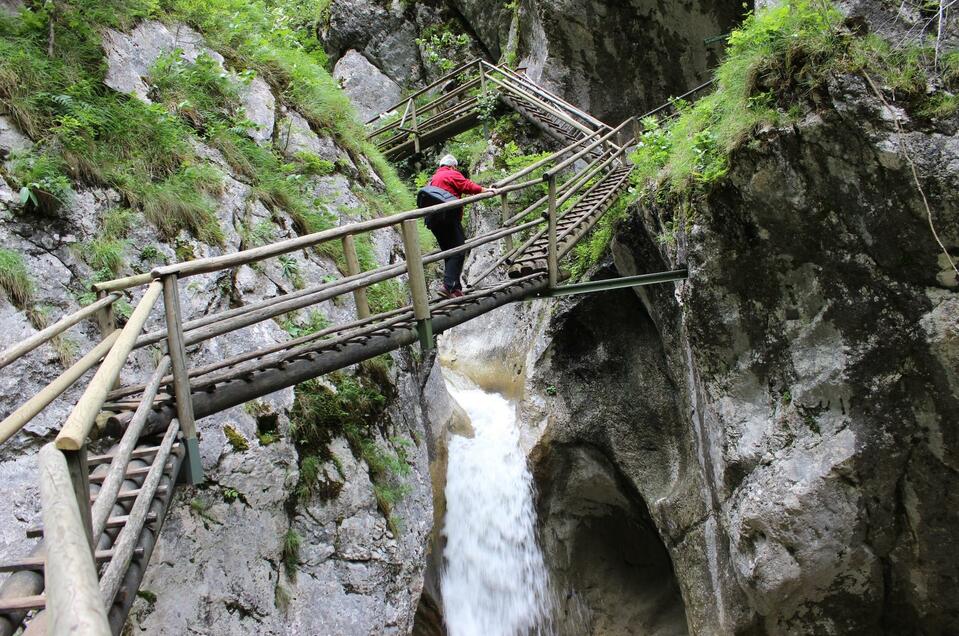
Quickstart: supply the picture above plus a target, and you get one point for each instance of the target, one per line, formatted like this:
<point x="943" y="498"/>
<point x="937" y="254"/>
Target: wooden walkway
<point x="102" y="514"/>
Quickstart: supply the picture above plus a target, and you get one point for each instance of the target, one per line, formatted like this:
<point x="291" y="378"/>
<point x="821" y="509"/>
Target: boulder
<point x="371" y="92"/>
<point x="381" y="30"/>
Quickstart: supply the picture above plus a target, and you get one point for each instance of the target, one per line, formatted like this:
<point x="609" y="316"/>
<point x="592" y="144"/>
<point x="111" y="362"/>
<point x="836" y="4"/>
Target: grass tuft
<point x="15" y="281"/>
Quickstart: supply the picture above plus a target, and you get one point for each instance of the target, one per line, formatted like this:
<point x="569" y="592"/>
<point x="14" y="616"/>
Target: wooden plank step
<point x="130" y="494"/>
<point x="112" y="522"/>
<point x="38" y="563"/>
<point x="131" y="472"/>
<point x="136" y="454"/>
<point x="22" y="604"/>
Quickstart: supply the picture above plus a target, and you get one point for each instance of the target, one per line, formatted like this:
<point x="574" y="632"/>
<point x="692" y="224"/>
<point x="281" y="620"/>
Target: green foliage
<point x="43" y="185"/>
<point x="291" y="552"/>
<point x="386" y="296"/>
<point x="236" y="439"/>
<point x="297" y="327"/>
<point x="316" y="480"/>
<point x="313" y="164"/>
<point x="319" y="412"/>
<point x="105" y="253"/>
<point x="231" y="494"/>
<point x="15" y="281"/>
<point x="442" y="48"/>
<point x="147" y="596"/>
<point x="290" y="268"/>
<point x="257" y="234"/>
<point x="486" y="105"/>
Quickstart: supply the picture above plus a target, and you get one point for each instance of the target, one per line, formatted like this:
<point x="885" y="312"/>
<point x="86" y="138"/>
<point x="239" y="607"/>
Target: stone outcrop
<point x="382" y="31"/>
<point x="785" y="415"/>
<point x="614" y="59"/>
<point x="371" y="91"/>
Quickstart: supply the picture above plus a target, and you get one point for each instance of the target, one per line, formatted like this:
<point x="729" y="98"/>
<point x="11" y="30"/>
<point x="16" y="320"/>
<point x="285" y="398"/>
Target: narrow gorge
<point x="707" y="384"/>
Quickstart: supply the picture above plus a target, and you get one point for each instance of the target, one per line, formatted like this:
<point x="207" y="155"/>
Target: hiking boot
<point x="446" y="292"/>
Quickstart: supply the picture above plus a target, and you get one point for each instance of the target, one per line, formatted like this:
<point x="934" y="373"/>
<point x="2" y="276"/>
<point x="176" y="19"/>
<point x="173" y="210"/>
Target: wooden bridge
<point x="102" y="513"/>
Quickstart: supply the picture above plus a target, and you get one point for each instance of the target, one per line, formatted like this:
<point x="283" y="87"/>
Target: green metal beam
<point x="614" y="283"/>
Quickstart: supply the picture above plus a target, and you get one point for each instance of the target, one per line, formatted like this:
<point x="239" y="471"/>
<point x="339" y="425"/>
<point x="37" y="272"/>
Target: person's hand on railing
<point x="491" y="190"/>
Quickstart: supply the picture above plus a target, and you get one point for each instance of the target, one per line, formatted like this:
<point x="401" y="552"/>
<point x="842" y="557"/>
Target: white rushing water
<point x="495" y="582"/>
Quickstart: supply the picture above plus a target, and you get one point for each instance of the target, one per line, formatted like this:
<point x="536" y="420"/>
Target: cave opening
<point x="611" y="570"/>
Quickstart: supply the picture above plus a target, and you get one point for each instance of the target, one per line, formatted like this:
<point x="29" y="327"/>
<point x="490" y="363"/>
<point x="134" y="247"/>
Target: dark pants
<point x="449" y="234"/>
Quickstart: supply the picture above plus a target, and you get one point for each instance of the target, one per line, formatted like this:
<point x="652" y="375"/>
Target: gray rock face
<point x="612" y="58"/>
<point x="130" y="57"/>
<point x="814" y="380"/>
<point x="371" y="91"/>
<point x="381" y="30"/>
<point x="11" y="139"/>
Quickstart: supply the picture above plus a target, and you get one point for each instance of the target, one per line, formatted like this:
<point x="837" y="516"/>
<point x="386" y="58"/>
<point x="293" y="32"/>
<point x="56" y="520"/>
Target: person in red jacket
<point x="447" y="227"/>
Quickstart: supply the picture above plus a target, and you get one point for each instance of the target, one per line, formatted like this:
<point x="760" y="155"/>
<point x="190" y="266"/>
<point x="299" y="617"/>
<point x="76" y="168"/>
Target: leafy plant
<point x="43" y="185"/>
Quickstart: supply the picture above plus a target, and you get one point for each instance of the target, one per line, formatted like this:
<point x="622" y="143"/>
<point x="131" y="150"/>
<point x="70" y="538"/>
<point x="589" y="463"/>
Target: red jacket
<point x="453" y="181"/>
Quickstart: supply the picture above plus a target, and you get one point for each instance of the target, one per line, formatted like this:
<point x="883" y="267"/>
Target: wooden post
<point x="415" y="126"/>
<point x="504" y="219"/>
<point x="352" y="269"/>
<point x="106" y="318"/>
<point x="421" y="301"/>
<point x="80" y="476"/>
<point x="482" y="78"/>
<point x="181" y="379"/>
<point x="551" y="261"/>
<point x="72" y="592"/>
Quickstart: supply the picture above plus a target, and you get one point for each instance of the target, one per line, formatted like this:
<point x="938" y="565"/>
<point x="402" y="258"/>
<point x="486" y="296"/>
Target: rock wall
<point x="787" y="415"/>
<point x="614" y="59"/>
<point x="219" y="563"/>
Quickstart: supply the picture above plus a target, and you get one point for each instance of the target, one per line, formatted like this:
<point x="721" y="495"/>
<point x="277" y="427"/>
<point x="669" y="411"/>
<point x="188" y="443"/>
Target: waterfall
<point x="494" y="581"/>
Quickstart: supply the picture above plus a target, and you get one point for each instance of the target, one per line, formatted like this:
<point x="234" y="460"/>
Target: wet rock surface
<point x="814" y="377"/>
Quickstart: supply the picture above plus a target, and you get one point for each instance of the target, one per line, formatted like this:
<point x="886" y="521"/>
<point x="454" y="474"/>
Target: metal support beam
<point x="418" y="290"/>
<point x="181" y="379"/>
<point x="614" y="283"/>
<point x="552" y="264"/>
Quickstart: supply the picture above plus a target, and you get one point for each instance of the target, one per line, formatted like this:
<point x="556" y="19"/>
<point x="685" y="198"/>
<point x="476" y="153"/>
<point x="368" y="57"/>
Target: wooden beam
<point x="78" y="425"/>
<point x="29" y="409"/>
<point x="417" y="282"/>
<point x="352" y="269"/>
<point x="26" y="346"/>
<point x="176" y="346"/>
<point x="72" y="593"/>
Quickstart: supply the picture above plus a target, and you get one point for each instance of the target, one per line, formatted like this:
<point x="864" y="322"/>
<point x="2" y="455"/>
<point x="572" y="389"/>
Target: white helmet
<point x="449" y="160"/>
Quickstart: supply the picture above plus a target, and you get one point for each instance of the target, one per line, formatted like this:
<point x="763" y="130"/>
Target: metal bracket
<point x="613" y="283"/>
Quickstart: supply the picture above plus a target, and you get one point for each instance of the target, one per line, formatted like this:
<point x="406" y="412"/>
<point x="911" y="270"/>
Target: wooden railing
<point x="75" y="532"/>
<point x="73" y="527"/>
<point x="413" y="121"/>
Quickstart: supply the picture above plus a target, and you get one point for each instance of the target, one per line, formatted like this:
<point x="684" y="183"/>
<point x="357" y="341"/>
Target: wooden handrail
<point x="582" y="153"/>
<point x="72" y="593"/>
<point x="29" y="409"/>
<point x="37" y="339"/>
<point x="80" y="422"/>
<point x="425" y="89"/>
<point x="245" y="257"/>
